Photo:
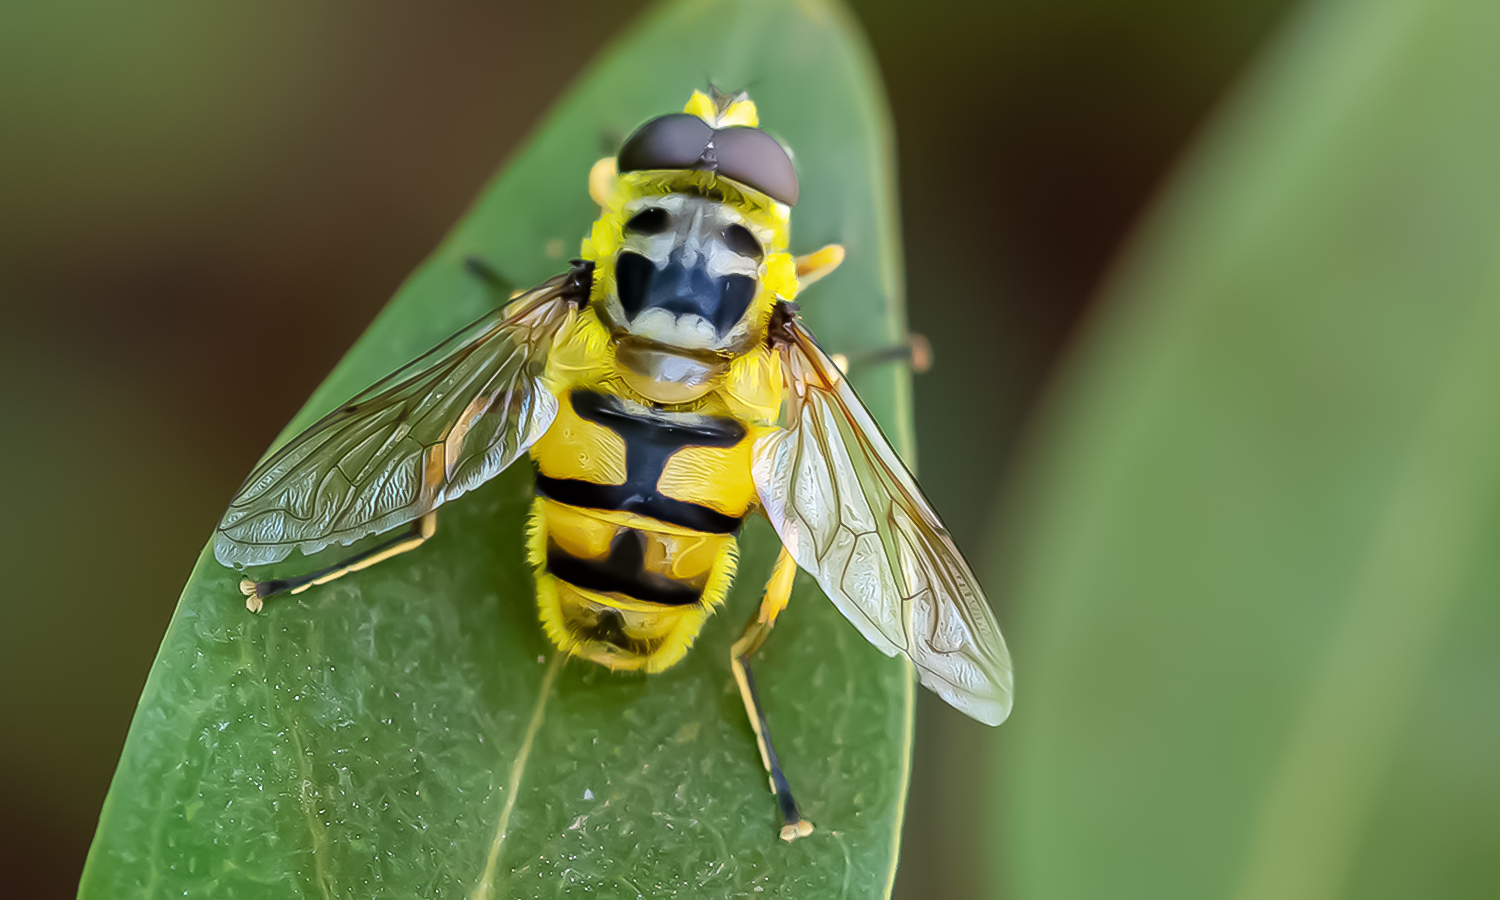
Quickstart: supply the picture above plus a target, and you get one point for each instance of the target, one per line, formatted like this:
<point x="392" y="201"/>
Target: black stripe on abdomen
<point x="625" y="498"/>
<point x="649" y="443"/>
<point x="623" y="571"/>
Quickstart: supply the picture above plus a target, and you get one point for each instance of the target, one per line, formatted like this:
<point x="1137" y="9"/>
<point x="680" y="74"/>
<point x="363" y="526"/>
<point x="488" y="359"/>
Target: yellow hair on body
<point x="580" y="354"/>
<point x="734" y="109"/>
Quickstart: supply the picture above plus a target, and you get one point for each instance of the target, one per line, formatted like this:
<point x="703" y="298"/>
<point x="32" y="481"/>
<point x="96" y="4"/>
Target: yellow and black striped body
<point x="664" y="382"/>
<point x="633" y="531"/>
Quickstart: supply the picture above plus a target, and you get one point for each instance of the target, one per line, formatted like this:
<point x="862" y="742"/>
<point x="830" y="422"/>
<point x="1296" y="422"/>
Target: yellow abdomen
<point x="633" y="529"/>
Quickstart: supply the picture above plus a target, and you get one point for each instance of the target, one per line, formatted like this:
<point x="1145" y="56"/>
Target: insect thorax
<point x="688" y="267"/>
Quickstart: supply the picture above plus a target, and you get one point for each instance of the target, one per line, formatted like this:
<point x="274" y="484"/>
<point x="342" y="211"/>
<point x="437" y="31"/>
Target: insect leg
<point x="778" y="591"/>
<point x="257" y="591"/>
<point x="602" y="181"/>
<point x="482" y="270"/>
<point x="815" y="265"/>
<point x="915" y="352"/>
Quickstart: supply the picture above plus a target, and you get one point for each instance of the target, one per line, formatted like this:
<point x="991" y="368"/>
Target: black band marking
<point x="623" y="572"/>
<point x="620" y="497"/>
<point x="648" y="445"/>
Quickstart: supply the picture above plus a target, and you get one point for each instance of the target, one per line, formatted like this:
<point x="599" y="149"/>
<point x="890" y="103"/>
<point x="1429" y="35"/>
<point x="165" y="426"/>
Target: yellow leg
<point x="602" y="179"/>
<point x="778" y="591"/>
<point x="256" y="592"/>
<point x="815" y="265"/>
<point x="915" y="352"/>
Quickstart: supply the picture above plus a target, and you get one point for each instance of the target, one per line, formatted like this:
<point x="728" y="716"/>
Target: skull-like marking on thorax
<point x="687" y="273"/>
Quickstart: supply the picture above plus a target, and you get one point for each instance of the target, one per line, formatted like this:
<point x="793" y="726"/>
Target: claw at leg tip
<point x="252" y="599"/>
<point x="798" y="829"/>
<point x="921" y="353"/>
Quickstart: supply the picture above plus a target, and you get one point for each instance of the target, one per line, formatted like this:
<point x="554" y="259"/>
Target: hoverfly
<point x="665" y="390"/>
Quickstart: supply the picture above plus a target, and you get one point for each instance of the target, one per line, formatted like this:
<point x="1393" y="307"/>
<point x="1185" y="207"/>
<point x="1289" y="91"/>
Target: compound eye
<point x="652" y="220"/>
<point x="739" y="239"/>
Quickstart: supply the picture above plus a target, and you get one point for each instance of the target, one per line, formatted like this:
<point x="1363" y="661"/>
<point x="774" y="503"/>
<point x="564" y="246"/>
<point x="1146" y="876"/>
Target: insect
<point x="665" y="389"/>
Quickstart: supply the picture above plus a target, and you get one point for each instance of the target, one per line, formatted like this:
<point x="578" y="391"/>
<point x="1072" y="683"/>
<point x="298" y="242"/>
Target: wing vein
<point x="365" y="467"/>
<point x="851" y="514"/>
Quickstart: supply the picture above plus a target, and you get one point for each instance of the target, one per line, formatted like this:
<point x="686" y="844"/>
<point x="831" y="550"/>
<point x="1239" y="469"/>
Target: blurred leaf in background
<point x="401" y="731"/>
<point x="1254" y="556"/>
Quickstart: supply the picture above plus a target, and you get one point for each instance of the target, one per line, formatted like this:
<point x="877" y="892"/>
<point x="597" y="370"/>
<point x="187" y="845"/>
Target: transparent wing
<point x="849" y="512"/>
<point x="436" y="428"/>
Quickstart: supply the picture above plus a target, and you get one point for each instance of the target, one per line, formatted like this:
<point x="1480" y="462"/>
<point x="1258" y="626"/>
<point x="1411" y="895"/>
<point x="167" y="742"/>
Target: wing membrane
<point x="849" y="512"/>
<point x="434" y="429"/>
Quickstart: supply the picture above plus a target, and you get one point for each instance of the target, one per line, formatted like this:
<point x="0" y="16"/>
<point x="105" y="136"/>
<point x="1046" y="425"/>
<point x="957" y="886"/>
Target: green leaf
<point x="367" y="738"/>
<point x="1256" y="562"/>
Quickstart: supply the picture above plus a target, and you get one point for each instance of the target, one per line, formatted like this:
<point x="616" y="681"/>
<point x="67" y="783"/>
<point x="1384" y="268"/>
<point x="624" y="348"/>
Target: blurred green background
<point x="176" y="175"/>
